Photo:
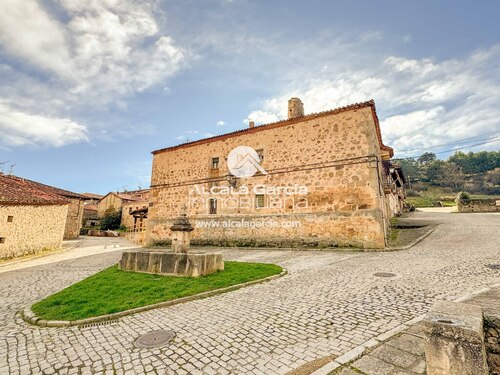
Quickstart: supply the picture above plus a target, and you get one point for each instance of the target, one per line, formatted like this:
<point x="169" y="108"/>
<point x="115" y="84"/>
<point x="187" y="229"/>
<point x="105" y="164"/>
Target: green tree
<point x="426" y="158"/>
<point x="111" y="220"/>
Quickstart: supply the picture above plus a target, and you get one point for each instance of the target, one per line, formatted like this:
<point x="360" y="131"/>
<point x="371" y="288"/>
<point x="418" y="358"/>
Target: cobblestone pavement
<point x="72" y="249"/>
<point x="328" y="304"/>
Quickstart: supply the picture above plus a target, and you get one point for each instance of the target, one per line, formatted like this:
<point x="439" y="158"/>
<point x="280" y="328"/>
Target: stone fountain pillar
<point x="177" y="261"/>
<point x="181" y="234"/>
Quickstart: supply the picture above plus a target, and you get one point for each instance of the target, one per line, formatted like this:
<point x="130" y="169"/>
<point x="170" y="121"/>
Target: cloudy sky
<point x="89" y="88"/>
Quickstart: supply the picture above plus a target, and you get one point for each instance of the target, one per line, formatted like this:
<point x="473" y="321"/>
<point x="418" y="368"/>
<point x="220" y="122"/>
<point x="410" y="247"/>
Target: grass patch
<point x="113" y="290"/>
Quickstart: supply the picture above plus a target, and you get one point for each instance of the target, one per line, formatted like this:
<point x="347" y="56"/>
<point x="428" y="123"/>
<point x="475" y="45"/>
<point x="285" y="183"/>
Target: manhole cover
<point x="493" y="266"/>
<point x="384" y="274"/>
<point x="154" y="339"/>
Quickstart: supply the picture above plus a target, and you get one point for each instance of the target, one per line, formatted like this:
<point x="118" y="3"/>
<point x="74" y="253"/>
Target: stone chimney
<point x="251" y="124"/>
<point x="295" y="108"/>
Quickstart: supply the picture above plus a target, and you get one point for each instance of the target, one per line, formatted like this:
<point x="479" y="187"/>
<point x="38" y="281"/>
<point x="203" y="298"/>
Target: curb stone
<point x="360" y="350"/>
<point x="30" y="317"/>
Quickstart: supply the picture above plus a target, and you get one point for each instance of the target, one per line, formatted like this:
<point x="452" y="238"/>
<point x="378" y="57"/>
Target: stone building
<point x="116" y="200"/>
<point x="75" y="208"/>
<point x="135" y="214"/>
<point x="90" y="218"/>
<point x="32" y="217"/>
<point x="318" y="180"/>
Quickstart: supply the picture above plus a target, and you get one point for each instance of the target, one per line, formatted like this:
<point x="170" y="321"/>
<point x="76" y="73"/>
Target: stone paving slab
<point x="329" y="304"/>
<point x="402" y="354"/>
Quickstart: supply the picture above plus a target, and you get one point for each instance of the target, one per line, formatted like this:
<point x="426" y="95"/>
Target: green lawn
<point x="112" y="290"/>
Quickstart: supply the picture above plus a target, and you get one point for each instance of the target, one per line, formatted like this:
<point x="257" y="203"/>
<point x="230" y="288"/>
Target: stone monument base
<point x="171" y="263"/>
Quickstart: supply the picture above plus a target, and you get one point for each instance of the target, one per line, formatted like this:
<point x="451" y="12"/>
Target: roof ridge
<point x="368" y="103"/>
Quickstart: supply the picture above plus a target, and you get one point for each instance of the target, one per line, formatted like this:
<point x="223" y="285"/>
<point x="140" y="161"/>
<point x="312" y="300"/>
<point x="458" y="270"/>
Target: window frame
<point x="215" y="163"/>
<point x="258" y="203"/>
<point x="212" y="206"/>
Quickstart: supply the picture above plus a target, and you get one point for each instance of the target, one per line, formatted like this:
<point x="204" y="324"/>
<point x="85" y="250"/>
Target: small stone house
<point x="75" y="208"/>
<point x="135" y="214"/>
<point x="318" y="180"/>
<point x="32" y="217"/>
<point x="116" y="200"/>
<point x="90" y="218"/>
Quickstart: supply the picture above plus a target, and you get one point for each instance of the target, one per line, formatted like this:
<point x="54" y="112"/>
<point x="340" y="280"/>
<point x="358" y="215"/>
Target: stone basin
<point x="161" y="262"/>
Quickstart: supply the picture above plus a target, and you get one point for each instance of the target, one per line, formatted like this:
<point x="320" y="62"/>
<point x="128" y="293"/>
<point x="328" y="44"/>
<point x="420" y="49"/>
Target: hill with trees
<point x="429" y="177"/>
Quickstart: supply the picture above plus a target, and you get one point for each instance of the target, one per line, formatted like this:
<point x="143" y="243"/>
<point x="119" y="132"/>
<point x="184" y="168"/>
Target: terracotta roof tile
<point x="19" y="191"/>
<point x="352" y="107"/>
<point x="92" y="195"/>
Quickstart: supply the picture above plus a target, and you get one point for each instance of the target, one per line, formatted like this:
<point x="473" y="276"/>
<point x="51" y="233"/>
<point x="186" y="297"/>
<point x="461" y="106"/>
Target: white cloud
<point x="220" y="123"/>
<point x="20" y="128"/>
<point x="28" y="32"/>
<point x="421" y="103"/>
<point x="95" y="53"/>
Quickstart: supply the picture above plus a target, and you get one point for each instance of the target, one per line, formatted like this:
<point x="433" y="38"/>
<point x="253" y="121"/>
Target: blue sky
<point x="89" y="88"/>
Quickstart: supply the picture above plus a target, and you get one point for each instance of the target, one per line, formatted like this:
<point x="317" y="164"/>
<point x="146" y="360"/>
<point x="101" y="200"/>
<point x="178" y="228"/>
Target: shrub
<point x="462" y="196"/>
<point x="111" y="220"/>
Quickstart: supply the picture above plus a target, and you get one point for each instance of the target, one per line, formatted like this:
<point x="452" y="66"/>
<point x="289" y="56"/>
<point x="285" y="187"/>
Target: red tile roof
<point x="92" y="195"/>
<point x="127" y="197"/>
<point x="19" y="191"/>
<point x="278" y="124"/>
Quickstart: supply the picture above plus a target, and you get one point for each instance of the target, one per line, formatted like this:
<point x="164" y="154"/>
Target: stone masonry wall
<point x="479" y="205"/>
<point x="334" y="157"/>
<point x="74" y="219"/>
<point x="32" y="229"/>
<point x="127" y="219"/>
<point x="492" y="340"/>
<point x="108" y="202"/>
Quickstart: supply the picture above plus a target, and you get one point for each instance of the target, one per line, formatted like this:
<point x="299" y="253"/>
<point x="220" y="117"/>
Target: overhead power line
<point x="465" y="140"/>
<point x="455" y="149"/>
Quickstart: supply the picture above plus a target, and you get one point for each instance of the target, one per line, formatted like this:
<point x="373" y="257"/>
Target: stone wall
<point x="479" y="205"/>
<point x="110" y="201"/>
<point x="336" y="157"/>
<point x="127" y="219"/>
<point x="492" y="340"/>
<point x="74" y="219"/>
<point x="31" y="229"/>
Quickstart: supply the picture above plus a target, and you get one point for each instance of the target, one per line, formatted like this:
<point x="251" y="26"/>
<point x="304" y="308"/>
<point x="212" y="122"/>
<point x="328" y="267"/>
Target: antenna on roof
<point x="2" y="163"/>
<point x="11" y="169"/>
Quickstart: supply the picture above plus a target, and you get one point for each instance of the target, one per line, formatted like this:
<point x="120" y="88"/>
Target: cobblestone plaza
<point x="329" y="303"/>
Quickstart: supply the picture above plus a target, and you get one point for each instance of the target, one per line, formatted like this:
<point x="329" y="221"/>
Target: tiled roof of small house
<point x="278" y="124"/>
<point x="19" y="191"/>
<point x="92" y="195"/>
<point x="127" y="197"/>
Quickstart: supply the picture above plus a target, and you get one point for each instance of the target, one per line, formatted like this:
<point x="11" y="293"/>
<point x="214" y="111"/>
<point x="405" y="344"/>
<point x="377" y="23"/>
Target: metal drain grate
<point x="493" y="266"/>
<point x="384" y="274"/>
<point x="154" y="339"/>
<point x="97" y="324"/>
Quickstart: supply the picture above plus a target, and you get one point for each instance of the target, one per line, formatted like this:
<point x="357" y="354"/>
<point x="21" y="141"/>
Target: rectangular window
<point x="129" y="209"/>
<point x="10" y="219"/>
<point x="260" y="152"/>
<point x="2" y="239"/>
<point x="215" y="163"/>
<point x="213" y="206"/>
<point x="259" y="201"/>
